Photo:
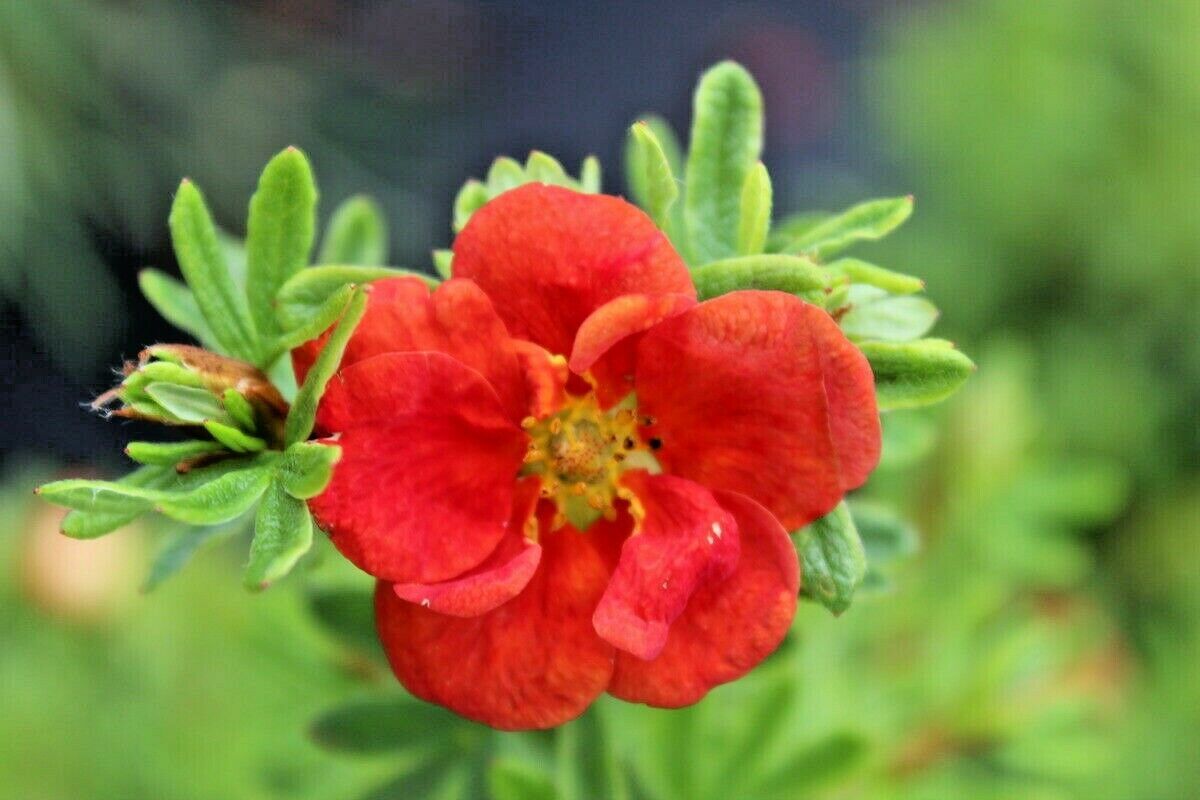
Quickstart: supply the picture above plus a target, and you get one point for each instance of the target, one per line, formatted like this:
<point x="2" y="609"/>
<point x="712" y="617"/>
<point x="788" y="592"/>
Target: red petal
<point x="546" y="378"/>
<point x="501" y="576"/>
<point x="534" y="662"/>
<point x="457" y="319"/>
<point x="607" y="340"/>
<point x="760" y="393"/>
<point x="729" y="626"/>
<point x="424" y="488"/>
<point x="684" y="540"/>
<point x="548" y="257"/>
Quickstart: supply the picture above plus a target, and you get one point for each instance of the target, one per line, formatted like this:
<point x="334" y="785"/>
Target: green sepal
<point x="171" y="453"/>
<point x="794" y="274"/>
<point x="504" y="174"/>
<point x="867" y="221"/>
<point x="82" y="524"/>
<point x="175" y="302"/>
<point x="283" y="532"/>
<point x="240" y="409"/>
<point x="168" y="372"/>
<point x="188" y="403"/>
<point x="859" y="271"/>
<point x="544" y="168"/>
<point x="204" y="268"/>
<point x="875" y="314"/>
<point x="357" y="234"/>
<point x="590" y="176"/>
<point x="302" y="416"/>
<point x="392" y="725"/>
<point x="442" y="259"/>
<point x="470" y="198"/>
<point x="833" y="559"/>
<point x="233" y="438"/>
<point x="914" y="374"/>
<point x="514" y="779"/>
<point x="307" y="467"/>
<point x="223" y="498"/>
<point x="279" y="233"/>
<point x="754" y="221"/>
<point x="303" y="296"/>
<point x="656" y="186"/>
<point x="726" y="142"/>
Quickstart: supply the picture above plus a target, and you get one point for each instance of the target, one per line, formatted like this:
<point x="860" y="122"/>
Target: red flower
<point x="541" y="537"/>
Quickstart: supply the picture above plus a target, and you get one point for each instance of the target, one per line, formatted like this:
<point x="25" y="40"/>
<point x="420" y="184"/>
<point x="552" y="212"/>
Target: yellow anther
<point x="528" y="422"/>
<point x="556" y="425"/>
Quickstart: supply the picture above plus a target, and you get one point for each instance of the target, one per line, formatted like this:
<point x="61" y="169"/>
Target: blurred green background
<point x="1044" y="641"/>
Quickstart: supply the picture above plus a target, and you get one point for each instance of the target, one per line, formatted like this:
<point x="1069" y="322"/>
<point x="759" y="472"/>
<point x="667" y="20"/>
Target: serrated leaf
<point x="916" y="373"/>
<point x="442" y="260"/>
<point x="357" y="234"/>
<point x="223" y="498"/>
<point x="175" y="302"/>
<point x="511" y="779"/>
<point x="233" y="438"/>
<point x="91" y="524"/>
<point x="179" y="548"/>
<point x="302" y="297"/>
<point x="726" y="142"/>
<point x="170" y="453"/>
<point x="859" y="271"/>
<point x="867" y="221"/>
<point x="657" y="188"/>
<point x="754" y="222"/>
<point x="794" y="274"/>
<point x="203" y="265"/>
<point x="833" y="559"/>
<point x="283" y="532"/>
<point x="590" y="175"/>
<point x="279" y="233"/>
<point x="393" y="725"/>
<point x="875" y="314"/>
<point x="306" y="468"/>
<point x="302" y="416"/>
<point x="321" y="320"/>
<point x="470" y="198"/>
<point x="188" y="403"/>
<point x="347" y="613"/>
<point x="545" y="168"/>
<point x="504" y="174"/>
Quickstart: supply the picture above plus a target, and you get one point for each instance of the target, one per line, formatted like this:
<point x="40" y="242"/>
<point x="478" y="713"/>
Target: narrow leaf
<point x="726" y="142"/>
<point x="176" y="303"/>
<point x="170" y="453"/>
<point x="283" y="532"/>
<point x="203" y="266"/>
<point x="103" y="497"/>
<point x="222" y="498"/>
<point x="916" y="373"/>
<point x="91" y="524"/>
<point x="306" y="468"/>
<point x="303" y="296"/>
<point x="656" y="184"/>
<point x="236" y="440"/>
<point x="867" y="221"/>
<point x="755" y="221"/>
<point x="833" y="559"/>
<point x="441" y="262"/>
<point x="861" y="272"/>
<point x="589" y="175"/>
<point x="188" y="403"/>
<point x="301" y="417"/>
<point x="393" y="725"/>
<point x="545" y="168"/>
<point x="320" y="321"/>
<point x="794" y="274"/>
<point x="357" y="234"/>
<point x="511" y="779"/>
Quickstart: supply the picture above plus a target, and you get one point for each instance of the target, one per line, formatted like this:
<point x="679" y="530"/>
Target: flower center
<point x="580" y="452"/>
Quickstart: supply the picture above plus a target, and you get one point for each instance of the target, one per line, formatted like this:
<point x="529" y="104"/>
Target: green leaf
<point x="916" y="373"/>
<point x="590" y="176"/>
<point x="101" y="497"/>
<point x="867" y="221"/>
<point x="283" y="532"/>
<point x="303" y="297"/>
<point x="441" y="262"/>
<point x="347" y="613"/>
<point x="439" y="777"/>
<point x="754" y="222"/>
<point x="170" y="453"/>
<point x="188" y="403"/>
<point x="301" y="417"/>
<point x="809" y="768"/>
<point x="656" y="186"/>
<point x="587" y="763"/>
<point x="726" y="142"/>
<point x="885" y="537"/>
<point x="203" y="265"/>
<point x="176" y="303"/>
<point x="222" y="498"/>
<point x="504" y="174"/>
<point x="279" y="233"/>
<point x="875" y="314"/>
<point x="168" y="372"/>
<point x="511" y="779"/>
<point x="793" y="226"/>
<point x="320" y="321"/>
<point x="833" y="559"/>
<point x="393" y="725"/>
<point x="794" y="274"/>
<point x="357" y="234"/>
<point x="239" y="409"/>
<point x="470" y="198"/>
<point x="306" y="468"/>
<point x="544" y="168"/>
<point x="859" y="271"/>
<point x="179" y="549"/>
<point x="236" y="440"/>
<point x="91" y="524"/>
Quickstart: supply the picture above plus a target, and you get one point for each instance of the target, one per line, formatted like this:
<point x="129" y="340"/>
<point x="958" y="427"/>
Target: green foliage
<point x="168" y="454"/>
<point x="177" y="305"/>
<point x="307" y="467"/>
<point x="357" y="234"/>
<point x="283" y="532"/>
<point x="832" y="558"/>
<point x="793" y="274"/>
<point x="305" y="298"/>
<point x="754" y="223"/>
<point x="916" y="373"/>
<point x="831" y="236"/>
<point x="652" y="181"/>
<point x="507" y="173"/>
<point x="875" y="314"/>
